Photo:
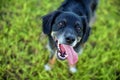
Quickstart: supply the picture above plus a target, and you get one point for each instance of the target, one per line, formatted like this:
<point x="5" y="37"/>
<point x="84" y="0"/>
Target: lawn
<point x="23" y="52"/>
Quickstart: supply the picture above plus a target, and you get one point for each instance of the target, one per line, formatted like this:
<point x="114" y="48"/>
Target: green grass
<point x="22" y="43"/>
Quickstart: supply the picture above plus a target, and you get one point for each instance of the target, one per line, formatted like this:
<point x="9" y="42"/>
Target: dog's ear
<point x="86" y="29"/>
<point x="48" y="21"/>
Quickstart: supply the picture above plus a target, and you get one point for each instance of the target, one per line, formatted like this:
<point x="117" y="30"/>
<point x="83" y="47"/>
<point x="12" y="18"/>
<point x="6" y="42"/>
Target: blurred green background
<point x="23" y="50"/>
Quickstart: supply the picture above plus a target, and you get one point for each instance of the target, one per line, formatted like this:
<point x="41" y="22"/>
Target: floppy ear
<point x="48" y="21"/>
<point x="86" y="29"/>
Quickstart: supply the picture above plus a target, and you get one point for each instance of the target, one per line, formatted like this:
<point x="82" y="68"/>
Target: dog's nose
<point x="70" y="39"/>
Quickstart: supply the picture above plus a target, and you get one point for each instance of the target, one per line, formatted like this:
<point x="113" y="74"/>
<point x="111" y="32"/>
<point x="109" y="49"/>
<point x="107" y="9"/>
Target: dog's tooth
<point x="58" y="48"/>
<point x="59" y="54"/>
<point x="66" y="55"/>
<point x="58" y="42"/>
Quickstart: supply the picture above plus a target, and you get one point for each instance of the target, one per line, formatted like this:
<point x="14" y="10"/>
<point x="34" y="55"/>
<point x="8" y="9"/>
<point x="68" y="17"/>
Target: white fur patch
<point x="73" y="69"/>
<point x="60" y="38"/>
<point x="47" y="67"/>
<point x="81" y="51"/>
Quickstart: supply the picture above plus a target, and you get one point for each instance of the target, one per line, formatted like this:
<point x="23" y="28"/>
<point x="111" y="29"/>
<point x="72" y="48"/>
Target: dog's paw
<point x="73" y="69"/>
<point x="47" y="67"/>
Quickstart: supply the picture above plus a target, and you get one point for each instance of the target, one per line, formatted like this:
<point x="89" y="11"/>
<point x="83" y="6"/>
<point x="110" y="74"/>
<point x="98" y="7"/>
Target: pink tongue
<point x="72" y="55"/>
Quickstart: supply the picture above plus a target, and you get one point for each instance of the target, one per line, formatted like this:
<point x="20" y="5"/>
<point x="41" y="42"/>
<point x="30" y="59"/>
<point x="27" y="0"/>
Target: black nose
<point x="70" y="39"/>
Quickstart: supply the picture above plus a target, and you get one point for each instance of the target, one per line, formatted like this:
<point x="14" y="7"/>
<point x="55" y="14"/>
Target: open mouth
<point x="61" y="53"/>
<point x="66" y="52"/>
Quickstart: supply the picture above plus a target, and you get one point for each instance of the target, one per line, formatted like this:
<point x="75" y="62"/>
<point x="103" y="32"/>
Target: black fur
<point x="48" y="21"/>
<point x="83" y="9"/>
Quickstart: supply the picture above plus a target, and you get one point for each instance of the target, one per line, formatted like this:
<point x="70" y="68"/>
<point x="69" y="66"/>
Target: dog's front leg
<point x="51" y="62"/>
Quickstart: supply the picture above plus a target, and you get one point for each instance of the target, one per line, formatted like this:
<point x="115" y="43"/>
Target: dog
<point x="68" y="28"/>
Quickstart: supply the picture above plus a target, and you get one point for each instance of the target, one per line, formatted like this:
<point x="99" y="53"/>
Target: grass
<point x="22" y="43"/>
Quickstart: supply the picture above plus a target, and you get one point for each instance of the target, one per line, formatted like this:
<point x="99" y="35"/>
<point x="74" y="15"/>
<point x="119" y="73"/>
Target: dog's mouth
<point x="66" y="52"/>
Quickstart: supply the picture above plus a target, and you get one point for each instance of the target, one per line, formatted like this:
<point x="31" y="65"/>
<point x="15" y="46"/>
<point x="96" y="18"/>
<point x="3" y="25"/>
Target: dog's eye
<point x="61" y="24"/>
<point x="78" y="28"/>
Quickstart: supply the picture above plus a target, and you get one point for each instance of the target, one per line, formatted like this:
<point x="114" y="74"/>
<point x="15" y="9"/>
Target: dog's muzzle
<point x="61" y="53"/>
<point x="66" y="52"/>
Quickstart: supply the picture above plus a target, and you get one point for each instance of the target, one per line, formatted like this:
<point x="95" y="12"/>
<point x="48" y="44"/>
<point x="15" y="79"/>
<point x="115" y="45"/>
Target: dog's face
<point x="68" y="28"/>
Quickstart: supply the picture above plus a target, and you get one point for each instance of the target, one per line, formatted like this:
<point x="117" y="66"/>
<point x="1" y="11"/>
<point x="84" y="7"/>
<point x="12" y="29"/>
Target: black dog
<point x="68" y="29"/>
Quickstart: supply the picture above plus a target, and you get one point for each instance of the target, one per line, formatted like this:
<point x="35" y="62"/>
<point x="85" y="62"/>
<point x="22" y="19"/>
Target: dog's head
<point x="67" y="27"/>
<point x="68" y="30"/>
